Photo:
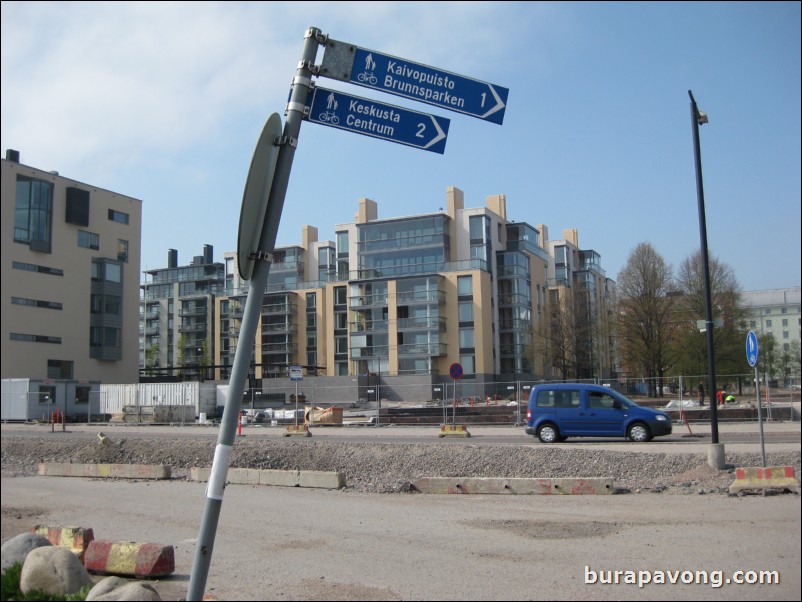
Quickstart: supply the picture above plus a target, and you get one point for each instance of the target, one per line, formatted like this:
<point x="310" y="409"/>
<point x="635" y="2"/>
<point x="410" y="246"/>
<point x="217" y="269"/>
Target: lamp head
<point x="701" y="117"/>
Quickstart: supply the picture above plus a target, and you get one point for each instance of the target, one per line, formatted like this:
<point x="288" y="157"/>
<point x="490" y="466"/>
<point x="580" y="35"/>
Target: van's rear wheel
<point x="639" y="433"/>
<point x="548" y="433"/>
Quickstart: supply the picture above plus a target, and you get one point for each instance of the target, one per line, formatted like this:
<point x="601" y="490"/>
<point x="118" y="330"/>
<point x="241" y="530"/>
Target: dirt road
<point x="278" y="543"/>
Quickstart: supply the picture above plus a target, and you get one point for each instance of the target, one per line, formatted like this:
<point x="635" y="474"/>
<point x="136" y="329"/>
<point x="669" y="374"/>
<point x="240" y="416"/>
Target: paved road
<point x="737" y="437"/>
<point x="278" y="543"/>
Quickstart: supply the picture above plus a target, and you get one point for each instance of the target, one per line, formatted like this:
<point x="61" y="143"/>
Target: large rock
<point x="116" y="588"/>
<point x="17" y="548"/>
<point x="54" y="570"/>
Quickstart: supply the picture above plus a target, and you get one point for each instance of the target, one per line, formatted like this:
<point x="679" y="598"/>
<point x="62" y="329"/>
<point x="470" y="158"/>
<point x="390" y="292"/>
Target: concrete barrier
<point x="453" y="430"/>
<point x="771" y="477"/>
<point x="282" y="478"/>
<point x="116" y="471"/>
<point x="75" y="539"/>
<point x="299" y="430"/>
<point x="515" y="486"/>
<point x="141" y="560"/>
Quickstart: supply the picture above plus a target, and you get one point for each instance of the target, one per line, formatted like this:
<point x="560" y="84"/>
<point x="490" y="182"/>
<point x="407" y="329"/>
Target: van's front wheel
<point x="548" y="433"/>
<point x="639" y="433"/>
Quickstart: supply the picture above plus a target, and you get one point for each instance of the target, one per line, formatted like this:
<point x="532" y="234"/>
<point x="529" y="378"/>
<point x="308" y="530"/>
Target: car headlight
<point x="661" y="418"/>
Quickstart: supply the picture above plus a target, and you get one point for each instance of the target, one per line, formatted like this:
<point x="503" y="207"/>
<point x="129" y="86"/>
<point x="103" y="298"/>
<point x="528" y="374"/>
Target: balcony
<point x="278" y="308"/>
<point x="358" y="353"/>
<point x="369" y="326"/>
<point x="284" y="347"/>
<point x="368" y="300"/>
<point x="424" y="323"/>
<point x="431" y="349"/>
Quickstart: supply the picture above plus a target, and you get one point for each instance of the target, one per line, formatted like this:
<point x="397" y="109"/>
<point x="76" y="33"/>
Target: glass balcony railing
<point x="433" y="349"/>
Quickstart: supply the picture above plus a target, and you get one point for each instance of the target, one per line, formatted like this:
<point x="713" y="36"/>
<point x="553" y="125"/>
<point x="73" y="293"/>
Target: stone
<point x="54" y="570"/>
<point x="17" y="548"/>
<point x="117" y="588"/>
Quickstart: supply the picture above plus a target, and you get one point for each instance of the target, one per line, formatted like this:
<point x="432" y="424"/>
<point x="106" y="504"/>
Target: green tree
<point x="151" y="359"/>
<point x="768" y="357"/>
<point x="180" y="352"/>
<point x="725" y="300"/>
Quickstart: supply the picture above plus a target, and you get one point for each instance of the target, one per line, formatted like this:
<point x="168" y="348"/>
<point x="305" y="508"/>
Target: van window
<point x="557" y="399"/>
<point x="600" y="400"/>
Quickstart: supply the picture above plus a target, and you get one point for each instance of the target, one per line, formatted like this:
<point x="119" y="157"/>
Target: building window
<point x="468" y="364"/>
<point x="465" y="311"/>
<point x="122" y="250"/>
<point x="47" y="394"/>
<point x="768" y="323"/>
<point x="118" y="216"/>
<point x="340" y="295"/>
<point x="59" y="369"/>
<point x="103" y="270"/>
<point x="88" y="240"/>
<point x="464" y="285"/>
<point x="466" y="340"/>
<point x="82" y="394"/>
<point x="36" y="303"/>
<point x="34" y="338"/>
<point x="32" y="267"/>
<point x="33" y="213"/>
<point x="100" y="336"/>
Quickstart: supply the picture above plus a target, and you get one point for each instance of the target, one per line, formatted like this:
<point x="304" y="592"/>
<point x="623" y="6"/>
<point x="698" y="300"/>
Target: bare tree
<point x="561" y="348"/>
<point x="647" y="314"/>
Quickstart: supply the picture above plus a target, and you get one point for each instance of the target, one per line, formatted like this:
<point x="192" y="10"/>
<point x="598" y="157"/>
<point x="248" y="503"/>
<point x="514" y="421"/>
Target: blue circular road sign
<point x="751" y="348"/>
<point x="455" y="371"/>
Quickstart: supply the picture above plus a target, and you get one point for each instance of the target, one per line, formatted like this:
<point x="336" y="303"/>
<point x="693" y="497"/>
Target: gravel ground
<point x="391" y="467"/>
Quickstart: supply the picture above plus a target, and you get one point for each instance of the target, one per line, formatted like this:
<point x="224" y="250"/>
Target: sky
<point x="165" y="101"/>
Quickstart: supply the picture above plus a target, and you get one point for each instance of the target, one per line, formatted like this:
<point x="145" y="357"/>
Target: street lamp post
<point x="716" y="457"/>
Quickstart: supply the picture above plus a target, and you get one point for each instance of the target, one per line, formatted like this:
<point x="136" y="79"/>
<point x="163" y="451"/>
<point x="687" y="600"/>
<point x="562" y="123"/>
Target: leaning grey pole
<point x="242" y="357"/>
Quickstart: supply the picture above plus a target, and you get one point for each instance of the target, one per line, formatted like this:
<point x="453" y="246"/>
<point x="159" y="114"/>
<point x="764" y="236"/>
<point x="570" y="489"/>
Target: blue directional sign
<point x="751" y="348"/>
<point x="379" y="120"/>
<point x="401" y="77"/>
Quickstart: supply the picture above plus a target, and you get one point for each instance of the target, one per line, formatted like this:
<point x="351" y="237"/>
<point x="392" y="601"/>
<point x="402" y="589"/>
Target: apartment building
<point x="70" y="273"/>
<point x="776" y="312"/>
<point x="177" y="317"/>
<point x="402" y="299"/>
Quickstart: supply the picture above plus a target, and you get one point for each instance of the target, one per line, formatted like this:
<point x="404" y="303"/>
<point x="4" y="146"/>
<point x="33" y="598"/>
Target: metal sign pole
<point x="760" y="422"/>
<point x="228" y="426"/>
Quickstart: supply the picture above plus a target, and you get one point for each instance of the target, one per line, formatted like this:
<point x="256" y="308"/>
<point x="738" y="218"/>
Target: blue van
<point x="558" y="411"/>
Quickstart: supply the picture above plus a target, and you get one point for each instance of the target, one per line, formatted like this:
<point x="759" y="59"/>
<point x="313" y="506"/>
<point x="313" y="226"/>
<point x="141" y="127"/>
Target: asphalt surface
<point x="691" y="438"/>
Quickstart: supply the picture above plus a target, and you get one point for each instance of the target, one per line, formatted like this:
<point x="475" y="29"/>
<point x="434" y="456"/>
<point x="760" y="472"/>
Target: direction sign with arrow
<point x="379" y="120"/>
<point x="371" y="69"/>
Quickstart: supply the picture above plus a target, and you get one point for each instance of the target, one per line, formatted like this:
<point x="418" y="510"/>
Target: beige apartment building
<point x="70" y="273"/>
<point x="400" y="300"/>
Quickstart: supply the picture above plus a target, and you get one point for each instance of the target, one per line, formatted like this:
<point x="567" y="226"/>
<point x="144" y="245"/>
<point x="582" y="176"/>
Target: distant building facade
<point x="70" y="273"/>
<point x="177" y="317"/>
<point x="775" y="312"/>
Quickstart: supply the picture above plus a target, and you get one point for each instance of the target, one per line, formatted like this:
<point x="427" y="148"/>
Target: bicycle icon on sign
<point x="368" y="77"/>
<point x="329" y="117"/>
